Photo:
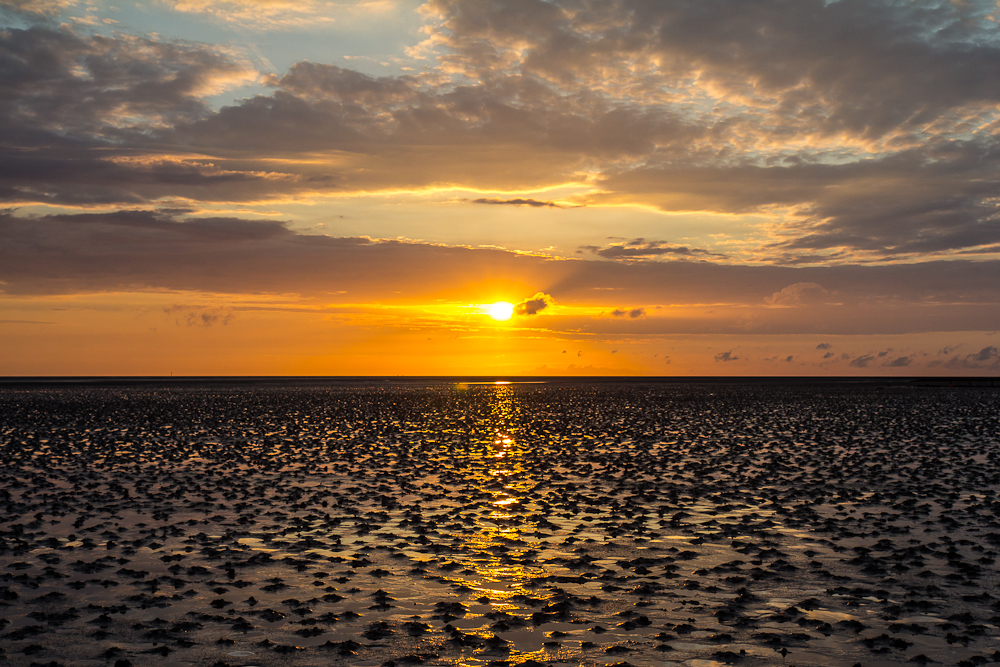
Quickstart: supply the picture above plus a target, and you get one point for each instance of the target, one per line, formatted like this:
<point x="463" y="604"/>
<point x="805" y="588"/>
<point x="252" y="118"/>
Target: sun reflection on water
<point x="499" y="547"/>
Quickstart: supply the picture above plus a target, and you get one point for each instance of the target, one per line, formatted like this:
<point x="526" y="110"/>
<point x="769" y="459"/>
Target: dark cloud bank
<point x="143" y="250"/>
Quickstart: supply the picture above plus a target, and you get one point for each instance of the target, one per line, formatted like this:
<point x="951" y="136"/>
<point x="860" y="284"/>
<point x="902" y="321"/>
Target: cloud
<point x="79" y="111"/>
<point x="859" y="132"/>
<point x="799" y="294"/>
<point x="726" y="356"/>
<point x="824" y="346"/>
<point x="203" y="316"/>
<point x="36" y="8"/>
<point x="534" y="305"/>
<point x="847" y="150"/>
<point x="900" y="362"/>
<point x="986" y="354"/>
<point x="862" y="361"/>
<point x="281" y="14"/>
<point x="149" y="250"/>
<point x="987" y="357"/>
<point x="641" y="249"/>
<point x="56" y="80"/>
<point x="931" y="199"/>
<point x="858" y="68"/>
<point x="534" y="203"/>
<point x="890" y="78"/>
<point x="633" y="312"/>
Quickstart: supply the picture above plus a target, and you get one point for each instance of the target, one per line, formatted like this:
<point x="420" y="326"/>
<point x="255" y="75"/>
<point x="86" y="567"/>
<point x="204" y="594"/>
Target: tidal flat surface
<point x="492" y="525"/>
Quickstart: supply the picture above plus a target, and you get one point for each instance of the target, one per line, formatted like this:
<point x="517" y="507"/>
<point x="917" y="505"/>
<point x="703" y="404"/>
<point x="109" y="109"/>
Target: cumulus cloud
<point x="81" y="85"/>
<point x="534" y="305"/>
<point x="824" y="346"/>
<point x="798" y="294"/>
<point x="862" y="361"/>
<point x="986" y="354"/>
<point x="987" y="357"/>
<point x="860" y="68"/>
<point x="900" y="362"/>
<point x="726" y="356"/>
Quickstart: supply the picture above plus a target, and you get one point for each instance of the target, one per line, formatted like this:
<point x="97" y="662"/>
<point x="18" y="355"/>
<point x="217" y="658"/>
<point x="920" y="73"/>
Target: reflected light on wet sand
<point x="499" y="542"/>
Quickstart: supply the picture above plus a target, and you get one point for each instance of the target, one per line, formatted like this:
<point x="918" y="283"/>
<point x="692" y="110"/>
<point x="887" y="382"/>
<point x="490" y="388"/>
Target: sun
<point x="501" y="310"/>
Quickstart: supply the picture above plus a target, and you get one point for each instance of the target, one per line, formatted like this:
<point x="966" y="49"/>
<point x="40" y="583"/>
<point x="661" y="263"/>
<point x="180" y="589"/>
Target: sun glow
<point x="501" y="310"/>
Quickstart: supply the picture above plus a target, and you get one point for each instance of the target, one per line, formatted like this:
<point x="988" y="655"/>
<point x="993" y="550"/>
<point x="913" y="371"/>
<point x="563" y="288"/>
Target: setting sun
<point x="501" y="310"/>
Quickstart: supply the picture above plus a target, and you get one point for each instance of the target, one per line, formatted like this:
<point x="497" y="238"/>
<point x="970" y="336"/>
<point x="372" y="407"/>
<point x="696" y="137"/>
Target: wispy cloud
<point x="202" y="316"/>
<point x="281" y="14"/>
<point x="631" y="312"/>
<point x="638" y="249"/>
<point x="37" y="8"/>
<point x="518" y="202"/>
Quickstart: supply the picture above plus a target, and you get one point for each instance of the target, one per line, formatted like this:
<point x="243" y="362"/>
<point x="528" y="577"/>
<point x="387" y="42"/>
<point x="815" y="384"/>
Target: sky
<point x="682" y="187"/>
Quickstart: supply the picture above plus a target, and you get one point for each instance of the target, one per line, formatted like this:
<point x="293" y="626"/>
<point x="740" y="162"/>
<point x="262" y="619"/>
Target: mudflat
<point x="442" y="523"/>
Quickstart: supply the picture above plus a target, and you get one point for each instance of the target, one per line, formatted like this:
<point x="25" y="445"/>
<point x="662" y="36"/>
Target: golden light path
<point x="502" y="543"/>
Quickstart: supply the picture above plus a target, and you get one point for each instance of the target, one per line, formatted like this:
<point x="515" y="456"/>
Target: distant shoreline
<point x="292" y="381"/>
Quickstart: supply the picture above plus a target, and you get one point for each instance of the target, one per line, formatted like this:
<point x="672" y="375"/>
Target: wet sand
<point x="562" y="523"/>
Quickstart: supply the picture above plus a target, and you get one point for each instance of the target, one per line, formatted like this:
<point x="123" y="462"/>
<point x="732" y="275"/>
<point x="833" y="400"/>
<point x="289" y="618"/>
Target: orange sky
<point x="239" y="187"/>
